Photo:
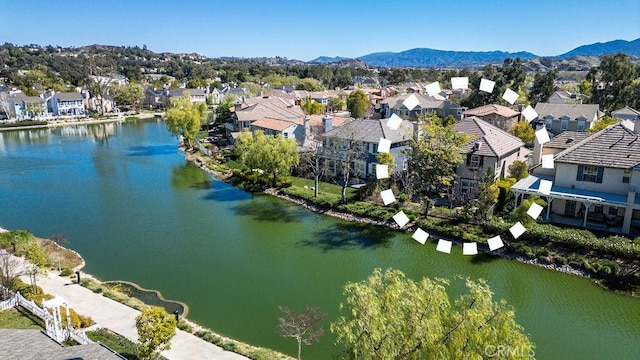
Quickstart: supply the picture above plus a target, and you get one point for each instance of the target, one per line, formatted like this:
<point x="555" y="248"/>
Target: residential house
<point x="36" y="344"/>
<point x="196" y="95"/>
<point x="276" y="127"/>
<point x="594" y="181"/>
<point x="561" y="117"/>
<point x="155" y="99"/>
<point x="487" y="147"/>
<point x="626" y="113"/>
<point x="395" y="105"/>
<point x="264" y="107"/>
<point x="565" y="97"/>
<point x="34" y="107"/>
<point x="361" y="138"/>
<point x="496" y="115"/>
<point x="66" y="104"/>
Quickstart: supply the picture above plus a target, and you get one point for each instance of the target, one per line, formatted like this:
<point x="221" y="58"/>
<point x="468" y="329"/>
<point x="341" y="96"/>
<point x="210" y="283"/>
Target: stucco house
<point x="561" y="117"/>
<point x="565" y="97"/>
<point x="487" y="147"/>
<point x="364" y="136"/>
<point x="496" y="115"/>
<point x="594" y="181"/>
<point x="444" y="108"/>
<point x="245" y="113"/>
<point x="196" y="95"/>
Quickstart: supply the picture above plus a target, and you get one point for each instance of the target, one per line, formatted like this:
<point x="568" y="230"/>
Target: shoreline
<point x="200" y="161"/>
<point x="79" y="121"/>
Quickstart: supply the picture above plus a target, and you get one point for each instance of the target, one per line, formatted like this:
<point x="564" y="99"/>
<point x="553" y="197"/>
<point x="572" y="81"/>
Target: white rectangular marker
<point x="517" y="230"/>
<point x="495" y="243"/>
<point x="410" y="102"/>
<point x="510" y="96"/>
<point x="545" y="187"/>
<point x="387" y="196"/>
<point x="382" y="171"/>
<point x="534" y="210"/>
<point x="384" y="145"/>
<point x="394" y="121"/>
<point x="401" y="219"/>
<point x="470" y="249"/>
<point x="420" y="236"/>
<point x="529" y="113"/>
<point x="487" y="85"/>
<point x="444" y="246"/>
<point x="542" y="136"/>
<point x="547" y="161"/>
<point x="433" y="88"/>
<point x="459" y="83"/>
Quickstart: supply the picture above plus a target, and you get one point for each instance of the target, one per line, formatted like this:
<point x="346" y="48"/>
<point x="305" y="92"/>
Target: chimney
<point x="416" y="130"/>
<point x="537" y="147"/>
<point x="636" y="126"/>
<point x="307" y="127"/>
<point x="327" y="123"/>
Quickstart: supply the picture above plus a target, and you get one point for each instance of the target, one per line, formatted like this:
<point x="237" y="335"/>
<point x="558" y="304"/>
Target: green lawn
<point x="324" y="186"/>
<point x="14" y="319"/>
<point x="115" y="342"/>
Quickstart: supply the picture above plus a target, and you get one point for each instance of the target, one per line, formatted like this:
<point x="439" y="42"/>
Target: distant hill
<point x="423" y="57"/>
<point x="328" y="60"/>
<point x="610" y="47"/>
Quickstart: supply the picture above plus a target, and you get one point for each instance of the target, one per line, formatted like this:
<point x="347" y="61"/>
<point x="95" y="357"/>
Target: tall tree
<point x="602" y="123"/>
<point x="130" y="95"/>
<point x="335" y="104"/>
<point x="611" y="81"/>
<point x="518" y="170"/>
<point x="357" y="103"/>
<point x="343" y="152"/>
<point x="311" y="107"/>
<point x="389" y="316"/>
<point x="275" y="155"/>
<point x="5" y="105"/>
<point x="543" y="87"/>
<point x="184" y="118"/>
<point x="487" y="195"/>
<point x="433" y="156"/>
<point x="302" y="327"/>
<point x="155" y="328"/>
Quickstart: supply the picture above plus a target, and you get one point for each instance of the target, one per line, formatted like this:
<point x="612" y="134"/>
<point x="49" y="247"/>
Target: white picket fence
<point x="53" y="328"/>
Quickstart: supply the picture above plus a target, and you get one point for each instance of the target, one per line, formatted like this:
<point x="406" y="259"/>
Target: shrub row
<point x="325" y="200"/>
<point x="366" y="209"/>
<point x="614" y="245"/>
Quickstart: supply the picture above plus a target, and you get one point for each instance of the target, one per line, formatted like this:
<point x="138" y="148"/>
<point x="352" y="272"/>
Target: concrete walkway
<point x="121" y="319"/>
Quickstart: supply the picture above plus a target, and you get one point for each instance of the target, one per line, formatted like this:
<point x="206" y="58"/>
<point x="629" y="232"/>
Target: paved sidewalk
<point x="121" y="319"/>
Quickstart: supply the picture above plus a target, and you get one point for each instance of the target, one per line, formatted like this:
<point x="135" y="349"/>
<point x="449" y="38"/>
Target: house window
<point x="581" y="124"/>
<point x="598" y="209"/>
<point x="474" y="164"/>
<point x="626" y="176"/>
<point x="548" y="123"/>
<point x="590" y="173"/>
<point x="285" y="135"/>
<point x="564" y="124"/>
<point x="613" y="211"/>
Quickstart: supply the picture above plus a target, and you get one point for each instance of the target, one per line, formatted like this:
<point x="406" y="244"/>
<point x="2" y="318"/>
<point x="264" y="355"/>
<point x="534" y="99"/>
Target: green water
<point x="137" y="211"/>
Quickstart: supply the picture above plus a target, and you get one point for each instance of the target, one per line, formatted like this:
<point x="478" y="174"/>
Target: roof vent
<point x="570" y="140"/>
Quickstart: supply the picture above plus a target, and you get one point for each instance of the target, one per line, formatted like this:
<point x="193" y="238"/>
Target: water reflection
<point x="184" y="176"/>
<point x="346" y="236"/>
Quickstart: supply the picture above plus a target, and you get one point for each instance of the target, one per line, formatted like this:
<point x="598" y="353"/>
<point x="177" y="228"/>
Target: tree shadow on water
<point x="267" y="211"/>
<point x="188" y="175"/>
<point x="347" y="236"/>
<point x="227" y="194"/>
<point x="151" y="150"/>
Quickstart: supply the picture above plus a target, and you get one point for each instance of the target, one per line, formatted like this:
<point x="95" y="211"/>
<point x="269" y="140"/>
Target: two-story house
<point x="245" y="113"/>
<point x="359" y="140"/>
<point x="487" y="147"/>
<point x="561" y="117"/>
<point x="496" y="115"/>
<point x="593" y="182"/>
<point x="196" y="95"/>
<point x="66" y="104"/>
<point x="395" y="105"/>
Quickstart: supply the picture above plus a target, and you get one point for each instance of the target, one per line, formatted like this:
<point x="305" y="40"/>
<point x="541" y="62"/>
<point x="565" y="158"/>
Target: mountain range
<point x="424" y="57"/>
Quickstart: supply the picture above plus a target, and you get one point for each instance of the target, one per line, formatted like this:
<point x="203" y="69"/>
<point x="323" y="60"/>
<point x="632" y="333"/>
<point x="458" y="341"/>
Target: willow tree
<point x="274" y="155"/>
<point x="389" y="316"/>
<point x="184" y="118"/>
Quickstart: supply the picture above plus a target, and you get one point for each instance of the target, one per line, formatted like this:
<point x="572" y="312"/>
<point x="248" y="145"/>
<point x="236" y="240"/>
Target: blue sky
<point x="307" y="29"/>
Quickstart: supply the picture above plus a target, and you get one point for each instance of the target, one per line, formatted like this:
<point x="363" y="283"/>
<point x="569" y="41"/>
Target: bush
<point x="229" y="346"/>
<point x="66" y="272"/>
<point x="185" y="327"/>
